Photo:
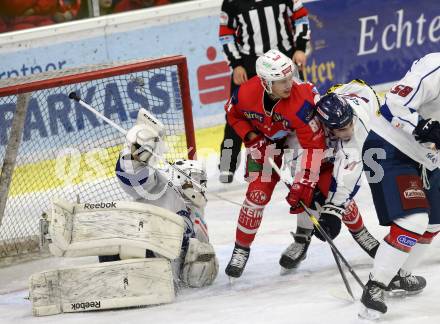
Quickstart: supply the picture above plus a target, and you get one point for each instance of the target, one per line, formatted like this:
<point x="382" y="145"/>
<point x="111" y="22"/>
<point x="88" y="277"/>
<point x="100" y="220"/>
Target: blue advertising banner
<point x="369" y="39"/>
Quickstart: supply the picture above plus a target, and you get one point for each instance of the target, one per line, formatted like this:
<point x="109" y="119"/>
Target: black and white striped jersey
<point x="252" y="27"/>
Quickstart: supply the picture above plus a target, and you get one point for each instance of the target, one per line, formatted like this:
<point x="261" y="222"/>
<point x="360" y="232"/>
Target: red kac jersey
<point x="245" y="112"/>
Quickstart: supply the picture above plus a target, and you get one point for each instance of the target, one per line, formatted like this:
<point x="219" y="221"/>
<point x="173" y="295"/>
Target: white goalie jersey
<point x="151" y="185"/>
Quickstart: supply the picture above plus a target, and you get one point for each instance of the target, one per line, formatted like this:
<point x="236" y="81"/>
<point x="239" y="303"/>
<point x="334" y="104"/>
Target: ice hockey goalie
<point x="146" y="247"/>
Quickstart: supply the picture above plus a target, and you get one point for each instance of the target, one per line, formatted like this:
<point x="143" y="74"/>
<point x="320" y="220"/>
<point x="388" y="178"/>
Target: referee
<point x="247" y="30"/>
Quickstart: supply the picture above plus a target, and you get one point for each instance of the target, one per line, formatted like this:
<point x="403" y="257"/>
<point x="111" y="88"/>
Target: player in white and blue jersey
<point x="400" y="158"/>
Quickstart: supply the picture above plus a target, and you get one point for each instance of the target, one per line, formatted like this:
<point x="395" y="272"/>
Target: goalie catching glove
<point x="145" y="137"/>
<point x="330" y="221"/>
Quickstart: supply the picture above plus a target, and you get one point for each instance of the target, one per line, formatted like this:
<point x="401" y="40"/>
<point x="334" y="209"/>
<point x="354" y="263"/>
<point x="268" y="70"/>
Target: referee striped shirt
<point x="252" y="27"/>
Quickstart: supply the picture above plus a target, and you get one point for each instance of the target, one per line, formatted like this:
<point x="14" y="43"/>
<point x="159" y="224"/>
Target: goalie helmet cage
<point x="50" y="146"/>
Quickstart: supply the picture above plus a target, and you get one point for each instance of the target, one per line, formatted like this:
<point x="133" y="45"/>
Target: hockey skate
<point x="373" y="300"/>
<point x="297" y="251"/>
<point x="226" y="176"/>
<point x="238" y="261"/>
<point x="366" y="241"/>
<point x="404" y="284"/>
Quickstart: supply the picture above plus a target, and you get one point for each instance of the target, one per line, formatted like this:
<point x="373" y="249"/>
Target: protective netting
<point x="66" y="151"/>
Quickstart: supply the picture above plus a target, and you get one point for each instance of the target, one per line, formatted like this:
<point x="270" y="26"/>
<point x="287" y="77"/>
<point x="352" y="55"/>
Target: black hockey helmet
<point x="334" y="111"/>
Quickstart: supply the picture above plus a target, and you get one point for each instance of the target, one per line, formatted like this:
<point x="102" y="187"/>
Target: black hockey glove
<point x="428" y="130"/>
<point x="330" y="221"/>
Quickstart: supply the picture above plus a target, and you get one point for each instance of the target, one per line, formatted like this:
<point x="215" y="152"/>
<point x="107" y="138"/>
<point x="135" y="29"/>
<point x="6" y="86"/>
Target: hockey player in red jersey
<point x="263" y="111"/>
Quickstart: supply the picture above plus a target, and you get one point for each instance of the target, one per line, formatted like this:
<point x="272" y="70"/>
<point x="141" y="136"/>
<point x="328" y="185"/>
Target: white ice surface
<point x="313" y="294"/>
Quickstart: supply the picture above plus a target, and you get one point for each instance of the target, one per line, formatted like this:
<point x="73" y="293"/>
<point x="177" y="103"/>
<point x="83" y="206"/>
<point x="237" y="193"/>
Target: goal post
<point x="50" y="146"/>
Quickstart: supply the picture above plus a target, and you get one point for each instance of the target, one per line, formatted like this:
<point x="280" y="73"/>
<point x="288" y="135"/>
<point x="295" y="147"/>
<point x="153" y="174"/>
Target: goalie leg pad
<point x="107" y="228"/>
<point x="200" y="267"/>
<point x="129" y="283"/>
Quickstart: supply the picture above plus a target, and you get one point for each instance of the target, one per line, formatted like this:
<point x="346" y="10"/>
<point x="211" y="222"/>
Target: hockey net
<point x="50" y="146"/>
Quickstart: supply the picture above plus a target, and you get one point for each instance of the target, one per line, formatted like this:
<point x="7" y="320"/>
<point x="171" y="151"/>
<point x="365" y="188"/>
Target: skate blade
<point x="400" y="293"/>
<point x="231" y="280"/>
<point x="285" y="271"/>
<point x="396" y="293"/>
<point x="369" y="314"/>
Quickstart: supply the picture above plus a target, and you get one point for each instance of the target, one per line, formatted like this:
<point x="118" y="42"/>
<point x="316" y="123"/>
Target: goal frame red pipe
<point x="178" y="60"/>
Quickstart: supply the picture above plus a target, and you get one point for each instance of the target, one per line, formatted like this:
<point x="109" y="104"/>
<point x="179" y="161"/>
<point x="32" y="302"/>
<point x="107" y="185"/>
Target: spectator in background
<point x="126" y="5"/>
<point x="106" y="7"/>
<point x="66" y="10"/>
<point x="247" y="30"/>
<point x="23" y="14"/>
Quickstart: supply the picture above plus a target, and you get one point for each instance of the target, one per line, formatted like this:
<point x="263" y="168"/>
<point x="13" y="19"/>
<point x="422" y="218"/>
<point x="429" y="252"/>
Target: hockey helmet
<point x="191" y="180"/>
<point x="274" y="66"/>
<point x="334" y="111"/>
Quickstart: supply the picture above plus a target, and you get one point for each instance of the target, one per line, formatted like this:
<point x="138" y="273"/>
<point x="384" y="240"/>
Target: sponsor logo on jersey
<point x="279" y="118"/>
<point x="258" y="196"/>
<point x="414" y="191"/>
<point x="306" y="112"/>
<point x="414" y="194"/>
<point x="254" y="115"/>
<point x="432" y="157"/>
<point x="100" y="205"/>
<point x="86" y="305"/>
<point x="406" y="240"/>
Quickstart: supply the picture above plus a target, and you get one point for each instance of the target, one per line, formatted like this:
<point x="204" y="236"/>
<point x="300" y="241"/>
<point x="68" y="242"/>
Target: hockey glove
<point x="330" y="221"/>
<point x="300" y="192"/>
<point x="428" y="130"/>
<point x="256" y="148"/>
<point x="143" y="141"/>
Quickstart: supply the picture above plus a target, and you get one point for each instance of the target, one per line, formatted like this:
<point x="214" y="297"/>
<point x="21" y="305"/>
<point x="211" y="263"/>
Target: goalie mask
<point x="194" y="189"/>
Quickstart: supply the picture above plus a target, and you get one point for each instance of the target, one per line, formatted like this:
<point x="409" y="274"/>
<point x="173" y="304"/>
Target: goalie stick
<point x="84" y="104"/>
<point x="75" y="97"/>
<point x="336" y="253"/>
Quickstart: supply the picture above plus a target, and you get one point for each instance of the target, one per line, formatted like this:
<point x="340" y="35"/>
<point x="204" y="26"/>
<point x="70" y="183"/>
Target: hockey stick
<point x="84" y="104"/>
<point x="344" y="277"/>
<point x="75" y="97"/>
<point x="332" y="245"/>
<point x="322" y="231"/>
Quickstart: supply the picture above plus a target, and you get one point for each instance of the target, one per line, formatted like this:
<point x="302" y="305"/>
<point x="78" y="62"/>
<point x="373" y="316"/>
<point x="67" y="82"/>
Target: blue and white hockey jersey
<point x="152" y="185"/>
<point x="415" y="96"/>
<point x="348" y="167"/>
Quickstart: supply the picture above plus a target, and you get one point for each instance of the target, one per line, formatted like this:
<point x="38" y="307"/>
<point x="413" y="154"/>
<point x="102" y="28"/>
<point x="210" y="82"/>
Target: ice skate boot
<point x="373" y="300"/>
<point x="238" y="261"/>
<point x="297" y="251"/>
<point x="404" y="283"/>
